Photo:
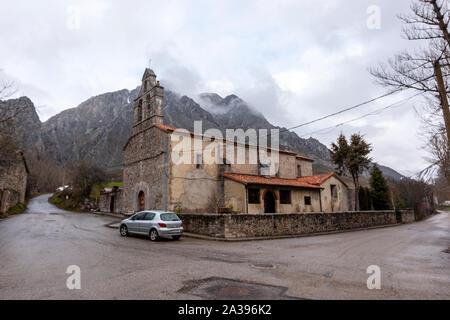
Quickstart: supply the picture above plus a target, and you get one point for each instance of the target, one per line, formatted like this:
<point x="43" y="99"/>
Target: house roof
<point x="304" y="158"/>
<point x="313" y="182"/>
<point x="254" y="179"/>
<point x="320" y="178"/>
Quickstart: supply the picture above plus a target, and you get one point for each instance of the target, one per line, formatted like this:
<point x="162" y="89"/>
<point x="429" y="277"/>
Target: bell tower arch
<point x="148" y="106"/>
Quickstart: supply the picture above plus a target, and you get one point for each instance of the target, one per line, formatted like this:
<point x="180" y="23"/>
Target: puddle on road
<point x="229" y="289"/>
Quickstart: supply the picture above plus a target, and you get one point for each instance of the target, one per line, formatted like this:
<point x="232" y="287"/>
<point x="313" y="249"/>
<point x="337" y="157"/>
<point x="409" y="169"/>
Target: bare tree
<point x="7" y="114"/>
<point x="413" y="194"/>
<point x="7" y="89"/>
<point x="429" y="20"/>
<point x="441" y="188"/>
<point x="45" y="175"/>
<point x="426" y="70"/>
<point x="215" y="202"/>
<point x="85" y="174"/>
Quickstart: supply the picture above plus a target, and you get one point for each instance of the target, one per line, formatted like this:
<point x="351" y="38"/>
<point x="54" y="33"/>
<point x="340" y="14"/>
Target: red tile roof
<point x="317" y="179"/>
<point x="253" y="179"/>
<point x="303" y="182"/>
<point x="165" y="127"/>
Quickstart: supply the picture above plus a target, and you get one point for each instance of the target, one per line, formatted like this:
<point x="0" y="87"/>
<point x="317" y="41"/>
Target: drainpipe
<point x="246" y="200"/>
<point x="320" y="199"/>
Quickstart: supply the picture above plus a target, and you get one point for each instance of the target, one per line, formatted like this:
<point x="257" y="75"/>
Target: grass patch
<point x="59" y="199"/>
<point x="444" y="208"/>
<point x="18" y="208"/>
<point x="75" y="202"/>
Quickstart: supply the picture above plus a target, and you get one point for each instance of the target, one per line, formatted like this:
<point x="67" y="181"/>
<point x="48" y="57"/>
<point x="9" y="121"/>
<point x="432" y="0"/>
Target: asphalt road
<point x="37" y="247"/>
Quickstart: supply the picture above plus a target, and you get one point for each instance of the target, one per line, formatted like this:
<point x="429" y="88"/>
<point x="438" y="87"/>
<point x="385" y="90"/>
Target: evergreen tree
<point x="351" y="158"/>
<point x="365" y="203"/>
<point x="379" y="189"/>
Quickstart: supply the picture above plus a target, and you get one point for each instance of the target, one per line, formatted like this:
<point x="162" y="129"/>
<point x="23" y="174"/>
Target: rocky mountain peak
<point x="208" y="97"/>
<point x="24" y="124"/>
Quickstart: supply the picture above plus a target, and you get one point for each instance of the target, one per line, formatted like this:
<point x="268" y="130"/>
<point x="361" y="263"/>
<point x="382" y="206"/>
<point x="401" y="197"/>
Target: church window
<point x="253" y="196"/>
<point x="307" y="201"/>
<point x="285" y="196"/>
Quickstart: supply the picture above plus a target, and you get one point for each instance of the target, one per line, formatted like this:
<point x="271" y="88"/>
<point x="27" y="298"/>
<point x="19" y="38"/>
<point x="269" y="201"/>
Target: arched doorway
<point x="269" y="202"/>
<point x="141" y="201"/>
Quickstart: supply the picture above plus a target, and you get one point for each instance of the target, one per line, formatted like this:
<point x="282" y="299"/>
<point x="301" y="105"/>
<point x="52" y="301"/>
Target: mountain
<point x="98" y="128"/>
<point x="25" y="124"/>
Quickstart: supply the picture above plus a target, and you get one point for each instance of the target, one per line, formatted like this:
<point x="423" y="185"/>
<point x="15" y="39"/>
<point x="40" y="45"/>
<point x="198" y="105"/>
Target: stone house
<point x="110" y="200"/>
<point x="154" y="179"/>
<point x="13" y="181"/>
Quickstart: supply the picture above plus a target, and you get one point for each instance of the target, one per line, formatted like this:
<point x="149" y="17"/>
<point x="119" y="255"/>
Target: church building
<point x="154" y="179"/>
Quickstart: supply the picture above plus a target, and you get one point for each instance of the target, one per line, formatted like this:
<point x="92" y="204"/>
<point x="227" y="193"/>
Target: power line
<point x="375" y="112"/>
<point x="333" y="114"/>
<point x="342" y="111"/>
<point x="354" y="106"/>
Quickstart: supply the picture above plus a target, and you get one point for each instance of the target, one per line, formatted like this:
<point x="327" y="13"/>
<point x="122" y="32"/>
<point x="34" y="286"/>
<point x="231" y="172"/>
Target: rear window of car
<point x="169" y="217"/>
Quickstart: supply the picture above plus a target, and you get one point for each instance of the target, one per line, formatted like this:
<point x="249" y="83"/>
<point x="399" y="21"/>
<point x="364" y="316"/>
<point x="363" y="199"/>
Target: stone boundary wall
<point x="241" y="226"/>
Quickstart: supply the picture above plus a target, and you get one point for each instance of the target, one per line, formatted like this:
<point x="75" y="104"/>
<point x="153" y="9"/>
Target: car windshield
<point x="169" y="217"/>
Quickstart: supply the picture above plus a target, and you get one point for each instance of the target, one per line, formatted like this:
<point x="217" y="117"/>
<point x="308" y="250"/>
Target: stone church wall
<point x="146" y="168"/>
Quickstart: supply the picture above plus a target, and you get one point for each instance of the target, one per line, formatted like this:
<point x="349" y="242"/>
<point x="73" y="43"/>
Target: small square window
<point x="285" y="196"/>
<point x="253" y="196"/>
<point x="307" y="200"/>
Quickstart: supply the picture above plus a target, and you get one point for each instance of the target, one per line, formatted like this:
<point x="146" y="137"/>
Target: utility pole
<point x="444" y="100"/>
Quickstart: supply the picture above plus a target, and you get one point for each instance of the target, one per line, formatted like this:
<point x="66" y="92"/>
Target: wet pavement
<point x="36" y="248"/>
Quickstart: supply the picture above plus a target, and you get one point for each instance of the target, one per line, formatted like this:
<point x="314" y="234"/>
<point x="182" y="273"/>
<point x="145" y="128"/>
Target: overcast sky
<point x="292" y="60"/>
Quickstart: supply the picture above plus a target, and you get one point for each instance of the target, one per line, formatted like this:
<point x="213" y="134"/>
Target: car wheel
<point x="176" y="237"/>
<point x="123" y="231"/>
<point x="154" y="235"/>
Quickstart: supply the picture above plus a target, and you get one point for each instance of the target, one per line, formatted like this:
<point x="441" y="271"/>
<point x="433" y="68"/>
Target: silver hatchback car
<point x="153" y="223"/>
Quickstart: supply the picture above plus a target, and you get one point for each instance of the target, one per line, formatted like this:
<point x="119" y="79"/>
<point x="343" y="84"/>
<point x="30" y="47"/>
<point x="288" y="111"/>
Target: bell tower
<point x="148" y="106"/>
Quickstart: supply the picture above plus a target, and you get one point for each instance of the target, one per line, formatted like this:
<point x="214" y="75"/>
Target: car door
<point x="134" y="224"/>
<point x="147" y="223"/>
